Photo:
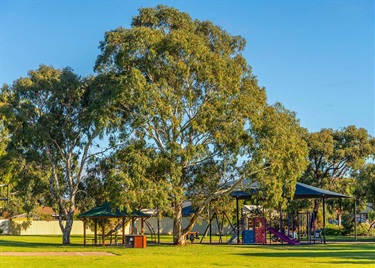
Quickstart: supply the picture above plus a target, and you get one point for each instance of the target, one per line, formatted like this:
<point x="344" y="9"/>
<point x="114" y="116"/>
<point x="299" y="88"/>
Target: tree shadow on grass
<point x="29" y="244"/>
<point x="348" y="256"/>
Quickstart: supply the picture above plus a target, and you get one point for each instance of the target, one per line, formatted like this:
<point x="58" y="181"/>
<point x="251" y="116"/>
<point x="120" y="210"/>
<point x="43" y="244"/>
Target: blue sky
<point x="315" y="57"/>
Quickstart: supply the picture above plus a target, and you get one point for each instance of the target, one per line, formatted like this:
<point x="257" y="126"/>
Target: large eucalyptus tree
<point x="195" y="114"/>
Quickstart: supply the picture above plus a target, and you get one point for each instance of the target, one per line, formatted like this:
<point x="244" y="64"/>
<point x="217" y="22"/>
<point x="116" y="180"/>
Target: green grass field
<point x="341" y="255"/>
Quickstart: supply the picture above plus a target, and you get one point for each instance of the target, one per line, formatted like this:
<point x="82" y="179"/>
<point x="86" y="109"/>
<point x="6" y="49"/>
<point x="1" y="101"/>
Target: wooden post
<point x="96" y="231"/>
<point x="123" y="230"/>
<point x="103" y="233"/>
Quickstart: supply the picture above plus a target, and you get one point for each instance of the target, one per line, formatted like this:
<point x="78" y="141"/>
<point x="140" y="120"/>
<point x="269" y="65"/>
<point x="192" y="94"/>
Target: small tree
<point x="54" y="116"/>
<point x="335" y="155"/>
<point x="365" y="184"/>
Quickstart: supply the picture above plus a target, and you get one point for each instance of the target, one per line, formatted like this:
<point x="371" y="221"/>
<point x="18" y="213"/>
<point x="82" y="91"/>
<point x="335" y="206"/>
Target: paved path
<point x="81" y="254"/>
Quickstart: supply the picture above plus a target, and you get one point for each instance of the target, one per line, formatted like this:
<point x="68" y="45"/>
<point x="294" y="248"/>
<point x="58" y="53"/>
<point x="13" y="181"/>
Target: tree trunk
<point x="66" y="230"/>
<point x="314" y="218"/>
<point x="178" y="238"/>
<point x="339" y="218"/>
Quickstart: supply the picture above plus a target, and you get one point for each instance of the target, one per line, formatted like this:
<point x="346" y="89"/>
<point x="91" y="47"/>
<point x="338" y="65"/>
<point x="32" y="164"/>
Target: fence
<point x="39" y="228"/>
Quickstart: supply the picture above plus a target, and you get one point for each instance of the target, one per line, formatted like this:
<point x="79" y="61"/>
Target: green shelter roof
<point x="106" y="210"/>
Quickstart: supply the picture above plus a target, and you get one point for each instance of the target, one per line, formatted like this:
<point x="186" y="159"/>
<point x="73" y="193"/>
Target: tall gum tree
<point x="54" y="116"/>
<point x="192" y="103"/>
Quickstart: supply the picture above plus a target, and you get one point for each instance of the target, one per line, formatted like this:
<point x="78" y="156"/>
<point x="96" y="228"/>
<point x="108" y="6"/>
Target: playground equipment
<point x="255" y="234"/>
<point x="307" y="231"/>
<point x="221" y="228"/>
<point x="282" y="236"/>
<point x="151" y="230"/>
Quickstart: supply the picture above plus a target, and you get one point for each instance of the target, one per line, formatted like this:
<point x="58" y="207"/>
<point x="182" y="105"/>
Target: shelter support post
<point x="238" y="222"/>
<point x="281" y="221"/>
<point x="123" y="230"/>
<point x="308" y="227"/>
<point x="103" y="233"/>
<point x="355" y="220"/>
<point x="95" y="231"/>
<point x="298" y="228"/>
<point x="158" y="224"/>
<point x="210" y="226"/>
<point x="142" y="226"/>
<point x="324" y="220"/>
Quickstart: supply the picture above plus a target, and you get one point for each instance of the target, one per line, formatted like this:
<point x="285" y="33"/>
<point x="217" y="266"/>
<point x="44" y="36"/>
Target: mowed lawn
<point x="192" y="255"/>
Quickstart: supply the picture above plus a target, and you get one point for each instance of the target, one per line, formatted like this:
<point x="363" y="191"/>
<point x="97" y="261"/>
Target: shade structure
<point x="239" y="194"/>
<point x="303" y="191"/>
<point x="188" y="211"/>
<point x="106" y="211"/>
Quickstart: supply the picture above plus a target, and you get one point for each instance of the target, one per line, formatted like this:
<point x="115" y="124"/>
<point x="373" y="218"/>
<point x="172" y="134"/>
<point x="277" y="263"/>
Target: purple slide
<point x="283" y="236"/>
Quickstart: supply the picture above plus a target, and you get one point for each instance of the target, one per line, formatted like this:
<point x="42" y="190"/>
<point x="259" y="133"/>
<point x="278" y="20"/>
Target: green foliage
<point x="365" y="184"/>
<point x="335" y="230"/>
<point x="363" y="229"/>
<point x="337" y="154"/>
<point x="348" y="221"/>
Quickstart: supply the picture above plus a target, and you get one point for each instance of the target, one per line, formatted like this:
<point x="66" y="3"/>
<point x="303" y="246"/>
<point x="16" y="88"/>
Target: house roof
<point x="106" y="210"/>
<point x="46" y="210"/>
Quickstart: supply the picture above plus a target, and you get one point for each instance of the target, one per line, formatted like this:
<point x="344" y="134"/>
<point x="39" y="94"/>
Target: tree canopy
<point x="365" y="187"/>
<point x="335" y="156"/>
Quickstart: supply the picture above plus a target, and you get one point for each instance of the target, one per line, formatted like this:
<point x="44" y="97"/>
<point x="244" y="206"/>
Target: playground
<point x="255" y="225"/>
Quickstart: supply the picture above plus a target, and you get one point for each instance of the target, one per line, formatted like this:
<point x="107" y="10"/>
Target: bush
<point x="348" y="222"/>
<point x="363" y="229"/>
<point x="333" y="229"/>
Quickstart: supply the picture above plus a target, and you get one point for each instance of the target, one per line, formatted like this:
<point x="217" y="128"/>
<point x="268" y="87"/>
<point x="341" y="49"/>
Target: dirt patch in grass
<point x="68" y="254"/>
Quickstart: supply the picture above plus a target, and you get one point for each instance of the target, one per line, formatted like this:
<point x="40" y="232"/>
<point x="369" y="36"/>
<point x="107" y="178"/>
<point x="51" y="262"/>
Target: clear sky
<point x="315" y="57"/>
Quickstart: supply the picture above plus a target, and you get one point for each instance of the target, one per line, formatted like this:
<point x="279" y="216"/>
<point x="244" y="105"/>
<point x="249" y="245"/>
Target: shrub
<point x="363" y="229"/>
<point x="333" y="229"/>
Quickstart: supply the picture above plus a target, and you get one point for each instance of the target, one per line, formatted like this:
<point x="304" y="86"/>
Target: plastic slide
<point x="283" y="236"/>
